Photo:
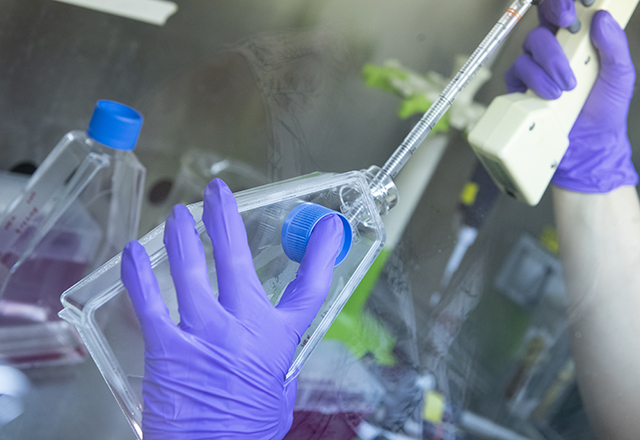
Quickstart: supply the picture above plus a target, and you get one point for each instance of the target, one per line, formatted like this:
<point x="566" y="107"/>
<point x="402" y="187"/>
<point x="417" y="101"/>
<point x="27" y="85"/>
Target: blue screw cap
<point x="115" y="125"/>
<point x="299" y="224"/>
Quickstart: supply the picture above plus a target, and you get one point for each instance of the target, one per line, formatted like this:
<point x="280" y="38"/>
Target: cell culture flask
<point x="81" y="206"/>
<point x="269" y="213"/>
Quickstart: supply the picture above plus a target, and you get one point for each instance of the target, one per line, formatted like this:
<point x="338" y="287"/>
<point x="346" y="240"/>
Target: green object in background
<point x="392" y="78"/>
<point x="358" y="330"/>
<point x="379" y="77"/>
<point x="415" y="104"/>
<point x="418" y="104"/>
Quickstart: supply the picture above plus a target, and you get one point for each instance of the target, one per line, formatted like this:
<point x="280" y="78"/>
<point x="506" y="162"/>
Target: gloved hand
<point x="220" y="373"/>
<point x="599" y="156"/>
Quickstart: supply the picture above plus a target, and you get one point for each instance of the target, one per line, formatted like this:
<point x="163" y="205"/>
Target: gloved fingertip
<point x="513" y="83"/>
<point x="605" y="29"/>
<point x="179" y="222"/>
<point x="217" y="188"/>
<point x="565" y="79"/>
<point x="179" y="214"/>
<point x="132" y="267"/>
<point x="561" y="13"/>
<point x="129" y="246"/>
<point x="566" y="18"/>
<point x="325" y="243"/>
<point x="551" y="93"/>
<point x="570" y="81"/>
<point x="612" y="44"/>
<point x="564" y="12"/>
<point x="547" y="90"/>
<point x="133" y="250"/>
<point x="330" y="228"/>
<point x="139" y="280"/>
<point x="328" y="232"/>
<point x="180" y="211"/>
<point x="604" y="18"/>
<point x="218" y="195"/>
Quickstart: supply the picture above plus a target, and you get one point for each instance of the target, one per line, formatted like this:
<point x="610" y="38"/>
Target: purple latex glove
<point x="599" y="156"/>
<point x="220" y="373"/>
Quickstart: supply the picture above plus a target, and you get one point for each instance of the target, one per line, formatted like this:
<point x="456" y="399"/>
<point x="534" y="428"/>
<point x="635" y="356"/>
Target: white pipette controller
<point x="522" y="138"/>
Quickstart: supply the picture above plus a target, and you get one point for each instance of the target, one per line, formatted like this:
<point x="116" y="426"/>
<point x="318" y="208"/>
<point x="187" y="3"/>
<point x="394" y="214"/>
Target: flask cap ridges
<point x="299" y="224"/>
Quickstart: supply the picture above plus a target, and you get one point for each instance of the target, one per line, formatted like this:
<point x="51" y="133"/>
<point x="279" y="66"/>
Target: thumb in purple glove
<point x="220" y="373"/>
<point x="599" y="156"/>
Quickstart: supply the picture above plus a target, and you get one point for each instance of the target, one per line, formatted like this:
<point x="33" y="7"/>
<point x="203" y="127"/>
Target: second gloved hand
<point x="220" y="373"/>
<point x="599" y="156"/>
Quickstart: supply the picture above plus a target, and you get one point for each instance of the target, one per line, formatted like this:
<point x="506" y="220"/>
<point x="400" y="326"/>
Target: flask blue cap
<point x="299" y="224"/>
<point x="115" y="125"/>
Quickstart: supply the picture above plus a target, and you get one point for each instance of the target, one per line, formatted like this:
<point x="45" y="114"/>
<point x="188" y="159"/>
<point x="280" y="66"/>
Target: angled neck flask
<point x="279" y="219"/>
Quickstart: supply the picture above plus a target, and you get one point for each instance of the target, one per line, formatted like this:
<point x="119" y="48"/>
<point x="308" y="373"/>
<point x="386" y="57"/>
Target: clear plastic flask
<point x="77" y="210"/>
<point x="116" y="342"/>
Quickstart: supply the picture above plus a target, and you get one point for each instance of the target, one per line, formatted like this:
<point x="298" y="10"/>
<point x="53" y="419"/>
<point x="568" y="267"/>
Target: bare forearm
<point x="600" y="246"/>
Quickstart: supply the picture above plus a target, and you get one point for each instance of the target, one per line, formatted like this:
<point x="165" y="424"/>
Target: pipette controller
<point x="522" y="138"/>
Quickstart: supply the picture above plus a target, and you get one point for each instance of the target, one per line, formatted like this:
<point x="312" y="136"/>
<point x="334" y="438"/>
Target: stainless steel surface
<point x="58" y="59"/>
<point x="69" y="403"/>
<point x="276" y="84"/>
